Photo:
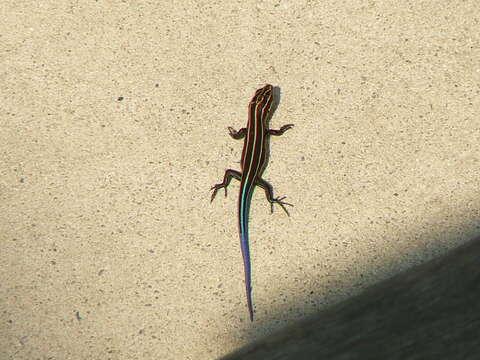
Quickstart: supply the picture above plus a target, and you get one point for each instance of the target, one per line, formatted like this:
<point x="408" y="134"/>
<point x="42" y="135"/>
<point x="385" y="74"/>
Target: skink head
<point x="263" y="94"/>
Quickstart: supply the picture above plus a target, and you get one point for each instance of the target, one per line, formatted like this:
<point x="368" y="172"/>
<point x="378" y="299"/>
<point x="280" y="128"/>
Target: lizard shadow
<point x="275" y="103"/>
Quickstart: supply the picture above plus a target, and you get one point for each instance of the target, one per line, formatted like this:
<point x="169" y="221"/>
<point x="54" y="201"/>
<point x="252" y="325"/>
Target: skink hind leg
<point x="229" y="174"/>
<point x="269" y="193"/>
<point x="281" y="203"/>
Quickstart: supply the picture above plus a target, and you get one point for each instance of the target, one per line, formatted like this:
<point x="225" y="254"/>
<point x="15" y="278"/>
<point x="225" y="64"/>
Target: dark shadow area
<point x="431" y="311"/>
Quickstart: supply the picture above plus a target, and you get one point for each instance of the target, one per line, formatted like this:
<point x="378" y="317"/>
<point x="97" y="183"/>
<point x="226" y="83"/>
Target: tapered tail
<point x="243" y="229"/>
<point x="247" y="268"/>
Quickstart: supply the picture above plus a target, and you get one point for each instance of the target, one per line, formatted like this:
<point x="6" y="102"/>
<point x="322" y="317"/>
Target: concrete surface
<point x="113" y="128"/>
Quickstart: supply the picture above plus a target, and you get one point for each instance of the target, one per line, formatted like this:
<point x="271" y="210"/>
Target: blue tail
<point x="247" y="267"/>
<point x="243" y="229"/>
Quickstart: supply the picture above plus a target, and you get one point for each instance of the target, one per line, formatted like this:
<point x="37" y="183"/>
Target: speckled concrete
<point x="113" y="128"/>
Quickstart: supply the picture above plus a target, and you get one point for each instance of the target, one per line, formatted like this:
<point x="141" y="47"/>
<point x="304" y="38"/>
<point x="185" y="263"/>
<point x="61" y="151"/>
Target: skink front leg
<point x="229" y="174"/>
<point x="240" y="134"/>
<point x="280" y="131"/>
